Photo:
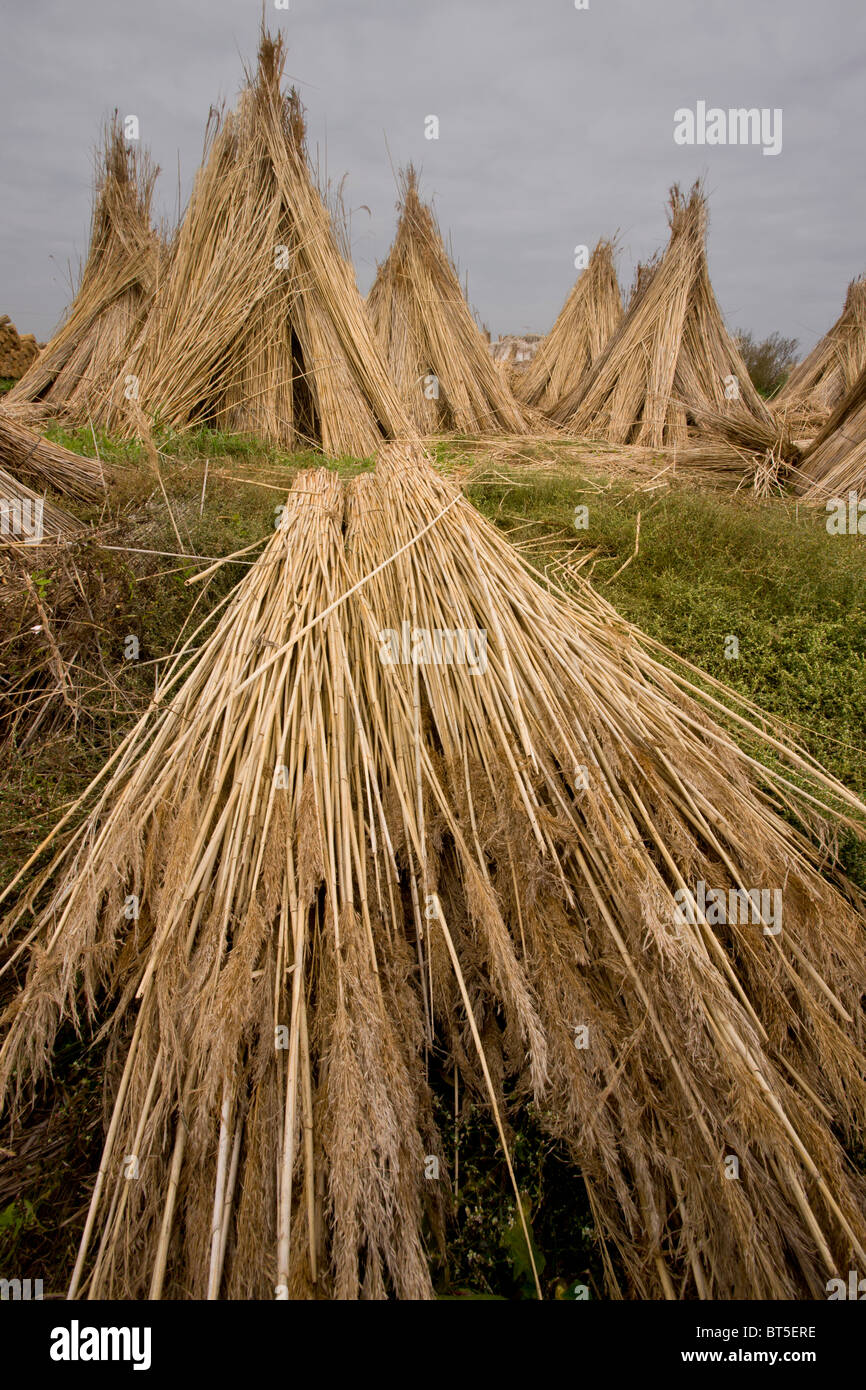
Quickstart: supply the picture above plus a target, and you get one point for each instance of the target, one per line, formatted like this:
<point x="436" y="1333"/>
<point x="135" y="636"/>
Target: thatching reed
<point x="585" y="325"/>
<point x="39" y="461"/>
<point x="27" y="519"/>
<point x="17" y="350"/>
<point x="835" y="462"/>
<point x="337" y="846"/>
<point x="258" y="326"/>
<point x="817" y="385"/>
<point x="671" y="356"/>
<point x="436" y="353"/>
<point x="75" y="374"/>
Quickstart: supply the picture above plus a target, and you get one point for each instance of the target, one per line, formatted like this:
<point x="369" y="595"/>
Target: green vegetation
<point x="769" y="361"/>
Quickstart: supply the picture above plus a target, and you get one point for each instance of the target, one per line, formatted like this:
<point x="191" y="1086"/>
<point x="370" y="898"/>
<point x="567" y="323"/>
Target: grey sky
<point x="556" y="127"/>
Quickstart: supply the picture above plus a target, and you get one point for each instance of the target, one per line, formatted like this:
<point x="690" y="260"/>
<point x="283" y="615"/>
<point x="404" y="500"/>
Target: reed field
<point x="433" y="808"/>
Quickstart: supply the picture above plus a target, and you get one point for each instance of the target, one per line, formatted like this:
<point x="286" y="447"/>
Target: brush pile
<point x="76" y="373"/>
<point x="405" y="804"/>
<point x="818" y="384"/>
<point x="436" y="353"/>
<point x="835" y="462"/>
<point x="258" y="326"/>
<point x="671" y="361"/>
<point x="585" y="325"/>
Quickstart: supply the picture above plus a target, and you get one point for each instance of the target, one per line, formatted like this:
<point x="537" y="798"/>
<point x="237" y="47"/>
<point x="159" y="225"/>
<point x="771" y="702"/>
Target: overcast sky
<point x="555" y="128"/>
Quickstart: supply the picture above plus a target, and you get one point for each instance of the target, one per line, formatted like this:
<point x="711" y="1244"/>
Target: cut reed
<point x="75" y="374"/>
<point x="585" y="325"/>
<point x="258" y="326"/>
<point x="345" y="841"/>
<point x="671" y="356"/>
<point x="442" y="366"/>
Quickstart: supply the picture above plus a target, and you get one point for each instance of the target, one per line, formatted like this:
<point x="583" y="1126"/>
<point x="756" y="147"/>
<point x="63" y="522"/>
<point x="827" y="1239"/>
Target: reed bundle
<point x="17" y="351"/>
<point x="583" y="329"/>
<point x="40" y="461"/>
<point x="835" y="462"/>
<point x="671" y="356"/>
<point x="258" y="326"/>
<point x="817" y="385"/>
<point x="436" y="353"/>
<point x="17" y="498"/>
<point x="75" y="373"/>
<point x="317" y="863"/>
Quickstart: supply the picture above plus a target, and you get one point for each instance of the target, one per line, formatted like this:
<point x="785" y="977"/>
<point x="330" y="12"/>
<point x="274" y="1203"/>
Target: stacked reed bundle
<point x="817" y="385"/>
<point x="17" y="351"/>
<point x="327" y="854"/>
<point x="834" y="464"/>
<point x="586" y="322"/>
<point x="30" y="456"/>
<point x="671" y="356"/>
<point x="75" y="373"/>
<point x="259" y="326"/>
<point x="442" y="366"/>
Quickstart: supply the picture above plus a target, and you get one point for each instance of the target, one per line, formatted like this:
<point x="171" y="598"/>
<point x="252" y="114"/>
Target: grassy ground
<point x="709" y="568"/>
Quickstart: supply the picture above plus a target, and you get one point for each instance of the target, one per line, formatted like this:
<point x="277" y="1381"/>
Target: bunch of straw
<point x="835" y="462"/>
<point x="17" y="351"/>
<point x="14" y="496"/>
<point x="30" y="456"/>
<point x="316" y="861"/>
<point x="75" y="373"/>
<point x="585" y="325"/>
<point x="434" y="348"/>
<point x="818" y="384"/>
<point x="671" y="355"/>
<point x="259" y="326"/>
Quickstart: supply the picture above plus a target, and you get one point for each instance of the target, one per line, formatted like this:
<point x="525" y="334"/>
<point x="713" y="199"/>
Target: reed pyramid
<point x="671" y="362"/>
<point x="585" y="325"/>
<point x="817" y="385"/>
<point x="834" y="465"/>
<point x="258" y="326"/>
<point x="437" y="355"/>
<point x="75" y="373"/>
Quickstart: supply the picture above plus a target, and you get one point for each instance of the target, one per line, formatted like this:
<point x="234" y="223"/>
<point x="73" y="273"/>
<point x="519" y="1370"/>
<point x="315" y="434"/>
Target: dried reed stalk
<point x="360" y="860"/>
<point x="443" y="369"/>
<point x="817" y="385"/>
<point x="74" y="374"/>
<point x="258" y="326"/>
<point x="585" y="325"/>
<point x="835" y="462"/>
<point x="56" y="524"/>
<point x="30" y="456"/>
<point x="671" y="356"/>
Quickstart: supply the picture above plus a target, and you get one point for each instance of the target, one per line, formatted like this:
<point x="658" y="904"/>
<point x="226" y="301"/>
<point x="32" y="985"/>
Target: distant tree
<point x="769" y="362"/>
